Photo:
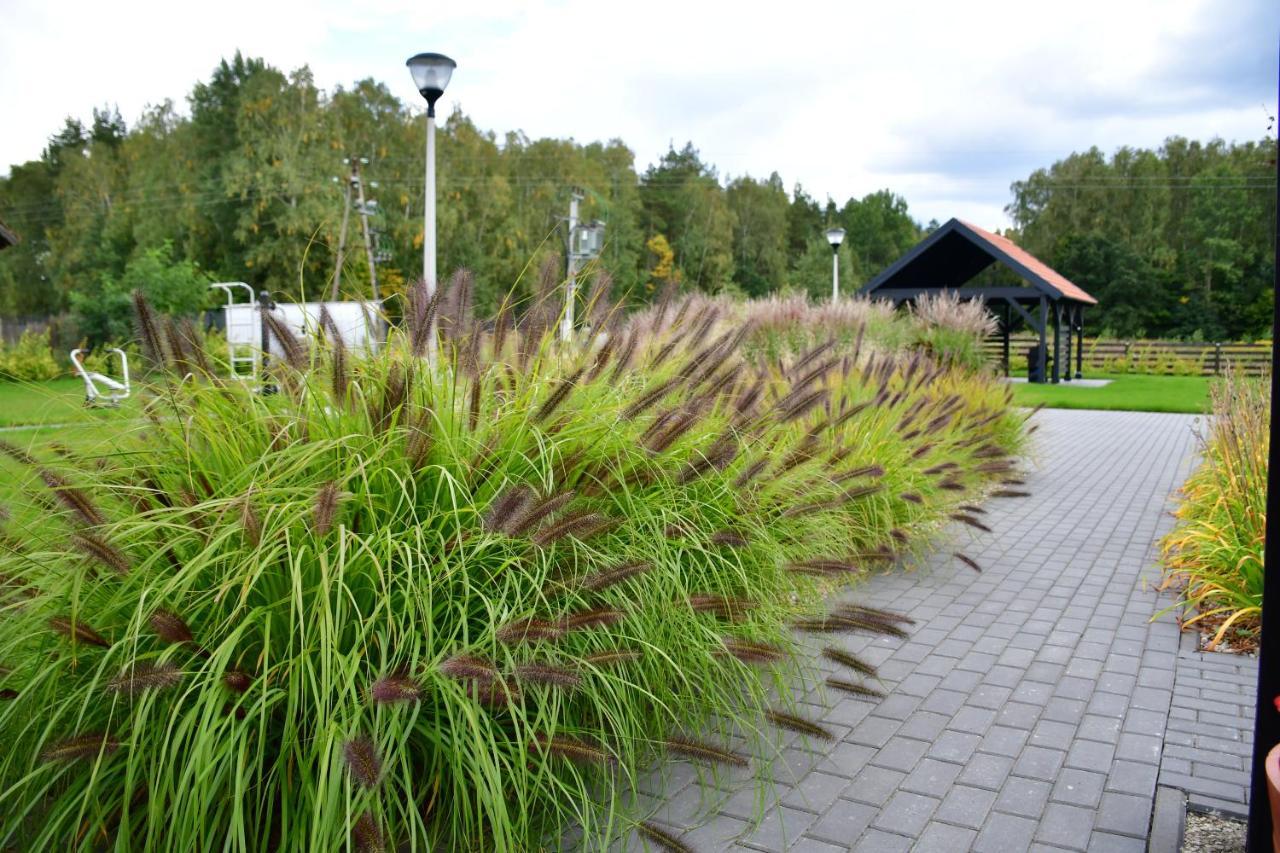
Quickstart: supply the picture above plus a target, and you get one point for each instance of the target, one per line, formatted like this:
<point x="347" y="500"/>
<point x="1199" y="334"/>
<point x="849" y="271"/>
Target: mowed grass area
<point x="1127" y="392"/>
<point x="38" y="416"/>
<point x="58" y="401"/>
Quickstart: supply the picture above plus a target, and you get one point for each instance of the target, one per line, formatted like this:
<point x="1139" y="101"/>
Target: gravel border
<point x="1213" y="833"/>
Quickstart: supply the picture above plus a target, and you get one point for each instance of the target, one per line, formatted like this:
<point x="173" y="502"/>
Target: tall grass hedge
<point x="1214" y="556"/>
<point x="458" y="603"/>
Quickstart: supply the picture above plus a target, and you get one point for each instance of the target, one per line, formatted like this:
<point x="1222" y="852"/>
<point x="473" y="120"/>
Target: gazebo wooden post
<point x="1067" y="314"/>
<point x="1008" y="320"/>
<point x="1080" y="342"/>
<point x="1056" y="376"/>
<point x="1044" y="343"/>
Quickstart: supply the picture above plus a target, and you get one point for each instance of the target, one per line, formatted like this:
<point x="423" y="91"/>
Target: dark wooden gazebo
<point x="956" y="252"/>
<point x="7" y="237"/>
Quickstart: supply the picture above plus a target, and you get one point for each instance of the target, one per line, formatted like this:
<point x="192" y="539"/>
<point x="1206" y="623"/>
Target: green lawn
<point x="1127" y="392"/>
<point x="59" y="401"/>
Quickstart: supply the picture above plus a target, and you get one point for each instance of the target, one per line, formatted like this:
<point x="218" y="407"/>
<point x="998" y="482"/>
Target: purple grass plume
<point x="661" y="837"/>
<point x="250" y="521"/>
<point x="237" y="680"/>
<point x="968" y="561"/>
<point x="89" y="745"/>
<point x="527" y="630"/>
<point x="705" y="752"/>
<point x="78" y="631"/>
<point x="580" y="525"/>
<point x="615" y="575"/>
<point x="367" y="835"/>
<point x="325" y="508"/>
<point x="363" y="760"/>
<point x="795" y="723"/>
<point x="612" y="657"/>
<point x="137" y="679"/>
<point x="854" y="688"/>
<point x="466" y="667"/>
<point x="533" y="513"/>
<point x="170" y="627"/>
<point x="398" y="687"/>
<point x="731" y="608"/>
<point x="548" y="675"/>
<point x="751" y="652"/>
<point x="574" y="749"/>
<point x="844" y="658"/>
<point x="101" y="550"/>
<point x="596" y="617"/>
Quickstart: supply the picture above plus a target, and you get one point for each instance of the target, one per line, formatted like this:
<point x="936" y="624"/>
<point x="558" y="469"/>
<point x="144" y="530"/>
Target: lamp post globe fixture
<point x="835" y="236"/>
<point x="431" y="73"/>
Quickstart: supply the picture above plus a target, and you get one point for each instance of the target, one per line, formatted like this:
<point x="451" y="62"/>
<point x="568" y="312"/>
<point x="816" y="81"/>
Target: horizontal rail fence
<point x="13" y="328"/>
<point x="1174" y="357"/>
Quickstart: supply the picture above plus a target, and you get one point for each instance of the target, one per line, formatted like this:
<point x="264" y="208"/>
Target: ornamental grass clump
<point x="1214" y="556"/>
<point x="456" y="605"/>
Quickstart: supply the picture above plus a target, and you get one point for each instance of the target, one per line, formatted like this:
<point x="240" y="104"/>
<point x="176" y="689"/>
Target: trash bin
<point x="1033" y="364"/>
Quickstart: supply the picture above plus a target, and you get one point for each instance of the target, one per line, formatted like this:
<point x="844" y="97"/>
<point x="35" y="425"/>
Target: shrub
<point x="455" y="606"/>
<point x="953" y="330"/>
<point x="172" y="286"/>
<point x="29" y="360"/>
<point x="1214" y="556"/>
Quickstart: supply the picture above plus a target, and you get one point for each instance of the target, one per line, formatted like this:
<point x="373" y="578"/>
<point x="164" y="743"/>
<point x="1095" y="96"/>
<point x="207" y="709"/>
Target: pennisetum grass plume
<point x="101" y="550"/>
<point x="398" y="687"/>
<point x="751" y="652"/>
<point x="324" y="509"/>
<point x="595" y="617"/>
<point x="142" y="677"/>
<point x="78" y="631"/>
<point x="548" y="675"/>
<point x="89" y="745"/>
<point x="363" y="761"/>
<point x="528" y="629"/>
<point x="575" y="749"/>
<point x="466" y="667"/>
<point x="661" y="837"/>
<point x="367" y="835"/>
<point x="535" y="512"/>
<point x="852" y="661"/>
<point x="854" y="688"/>
<point x="580" y="525"/>
<point x="170" y="627"/>
<point x="796" y="723"/>
<point x="612" y="658"/>
<point x="700" y="751"/>
<point x="615" y="575"/>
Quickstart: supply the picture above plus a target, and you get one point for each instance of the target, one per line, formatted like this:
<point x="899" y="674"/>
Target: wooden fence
<point x="1176" y="357"/>
<point x="12" y="328"/>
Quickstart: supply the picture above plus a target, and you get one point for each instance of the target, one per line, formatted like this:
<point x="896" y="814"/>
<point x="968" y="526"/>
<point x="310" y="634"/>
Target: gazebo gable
<point x="957" y="252"/>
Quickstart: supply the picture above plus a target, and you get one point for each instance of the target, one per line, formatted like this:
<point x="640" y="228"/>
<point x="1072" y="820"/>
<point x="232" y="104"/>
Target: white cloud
<point x="945" y="103"/>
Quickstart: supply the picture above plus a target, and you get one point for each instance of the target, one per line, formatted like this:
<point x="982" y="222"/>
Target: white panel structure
<point x="358" y="323"/>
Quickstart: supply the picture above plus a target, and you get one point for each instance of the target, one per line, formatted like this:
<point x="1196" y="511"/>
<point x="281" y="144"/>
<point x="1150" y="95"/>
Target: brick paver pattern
<point x="1036" y="705"/>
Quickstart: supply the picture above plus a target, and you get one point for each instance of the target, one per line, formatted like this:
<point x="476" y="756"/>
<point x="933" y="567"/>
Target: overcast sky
<point x="945" y="103"/>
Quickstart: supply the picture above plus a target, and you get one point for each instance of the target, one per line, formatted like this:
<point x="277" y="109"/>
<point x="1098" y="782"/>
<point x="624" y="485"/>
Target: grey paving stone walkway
<point x="1034" y="705"/>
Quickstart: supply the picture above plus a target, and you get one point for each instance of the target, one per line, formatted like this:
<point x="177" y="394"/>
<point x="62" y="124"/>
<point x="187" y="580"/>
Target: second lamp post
<point x="431" y="73"/>
<point x="835" y="236"/>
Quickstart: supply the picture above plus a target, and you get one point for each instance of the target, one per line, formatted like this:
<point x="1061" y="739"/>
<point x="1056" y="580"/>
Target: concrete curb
<point x="1168" y="821"/>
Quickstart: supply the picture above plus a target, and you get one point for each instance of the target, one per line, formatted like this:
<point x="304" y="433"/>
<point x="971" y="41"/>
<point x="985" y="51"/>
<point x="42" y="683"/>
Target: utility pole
<point x="570" y="285"/>
<point x="364" y="222"/>
<point x="342" y="240"/>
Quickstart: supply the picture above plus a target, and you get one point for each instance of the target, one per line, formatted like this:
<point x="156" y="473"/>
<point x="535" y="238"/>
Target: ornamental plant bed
<point x="1214" y="556"/>
<point x="454" y="603"/>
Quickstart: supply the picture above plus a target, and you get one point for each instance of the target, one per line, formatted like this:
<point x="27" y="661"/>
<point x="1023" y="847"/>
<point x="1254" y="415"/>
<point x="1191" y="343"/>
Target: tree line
<point x="248" y="184"/>
<point x="243" y="187"/>
<point x="1174" y="242"/>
